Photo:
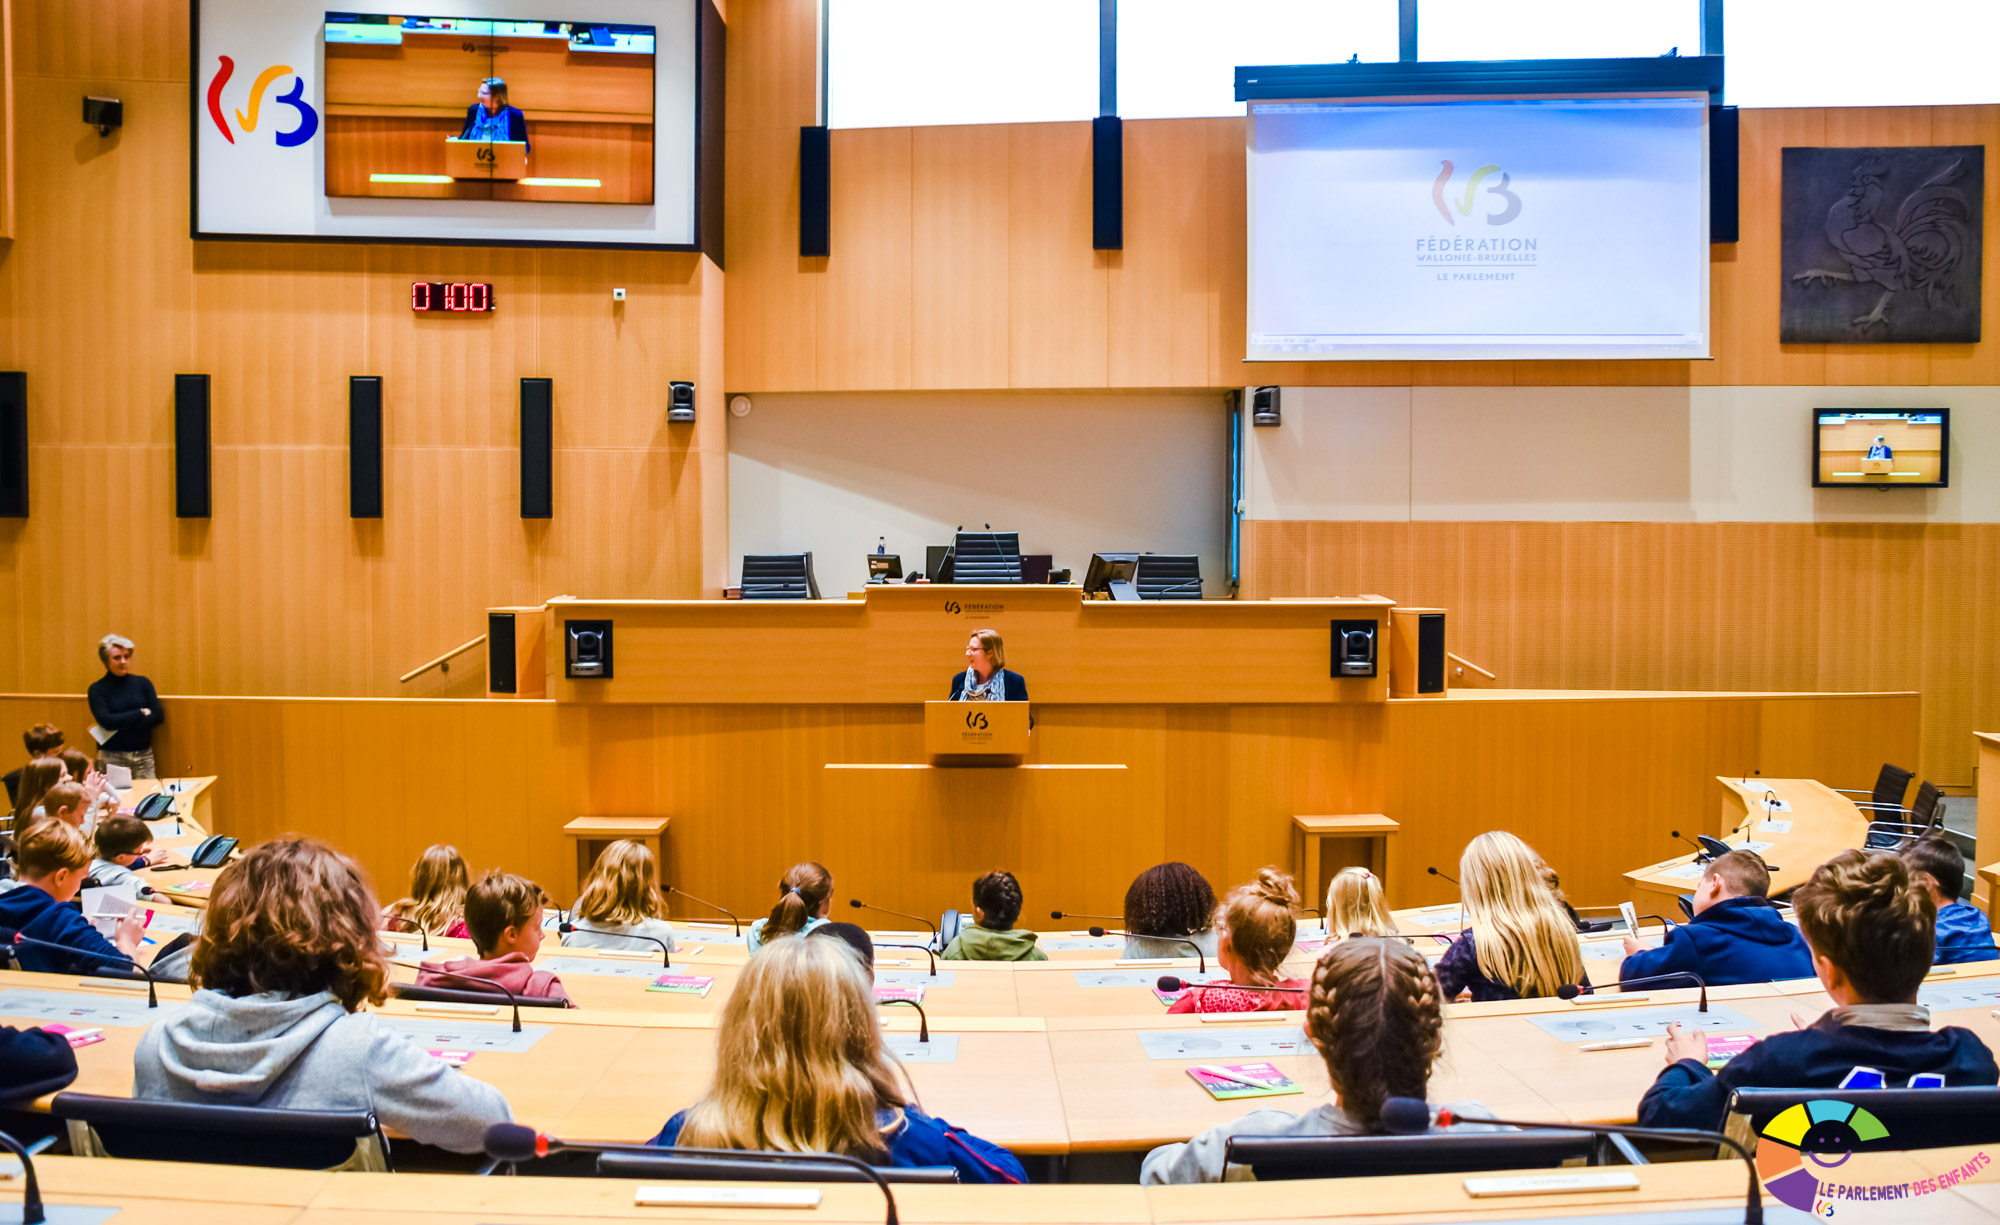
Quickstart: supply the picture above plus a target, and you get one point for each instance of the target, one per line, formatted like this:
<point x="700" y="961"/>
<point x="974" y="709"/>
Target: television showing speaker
<point x="1908" y="448"/>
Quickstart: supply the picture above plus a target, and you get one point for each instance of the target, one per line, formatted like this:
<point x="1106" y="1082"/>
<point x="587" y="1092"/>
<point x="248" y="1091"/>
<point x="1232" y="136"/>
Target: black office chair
<point x="1924" y="816"/>
<point x="1890" y="785"/>
<point x="698" y="1164"/>
<point x="1909" y="1118"/>
<point x="229" y="1135"/>
<point x="472" y="995"/>
<point x="779" y="576"/>
<point x="1272" y="1158"/>
<point x="1168" y="576"/>
<point x="986" y="557"/>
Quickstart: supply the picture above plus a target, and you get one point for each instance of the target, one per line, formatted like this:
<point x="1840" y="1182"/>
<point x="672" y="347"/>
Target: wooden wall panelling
<point x="1058" y="309"/>
<point x="1970" y="365"/>
<point x="773" y="70"/>
<point x="1750" y="353"/>
<point x="103" y="40"/>
<point x="772" y="323"/>
<point x="711" y="436"/>
<point x="959" y="200"/>
<point x="1161" y="286"/>
<point x="863" y="313"/>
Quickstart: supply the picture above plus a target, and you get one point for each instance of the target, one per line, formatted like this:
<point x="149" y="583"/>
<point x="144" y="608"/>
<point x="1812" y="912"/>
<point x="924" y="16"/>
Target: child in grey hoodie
<point x="287" y="954"/>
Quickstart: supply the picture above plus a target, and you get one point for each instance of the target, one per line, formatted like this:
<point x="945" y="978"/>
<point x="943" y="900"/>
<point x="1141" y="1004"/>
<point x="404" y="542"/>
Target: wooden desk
<point x="193" y="798"/>
<point x="591" y="833"/>
<point x="1818" y="824"/>
<point x="1988" y="831"/>
<point x="1364" y="840"/>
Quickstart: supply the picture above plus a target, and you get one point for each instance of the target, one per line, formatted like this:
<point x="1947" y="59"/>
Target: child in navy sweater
<point x="1871" y="930"/>
<point x="52" y="859"/>
<point x="1736" y="936"/>
<point x="1963" y="934"/>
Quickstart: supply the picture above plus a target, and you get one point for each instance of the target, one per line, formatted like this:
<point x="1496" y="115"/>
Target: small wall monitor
<point x="1881" y="447"/>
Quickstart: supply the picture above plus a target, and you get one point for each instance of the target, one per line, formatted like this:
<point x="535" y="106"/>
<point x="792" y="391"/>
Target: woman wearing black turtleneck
<point x="123" y="702"/>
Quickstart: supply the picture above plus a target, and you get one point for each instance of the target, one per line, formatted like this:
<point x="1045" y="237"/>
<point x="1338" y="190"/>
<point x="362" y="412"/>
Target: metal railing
<point x="443" y="662"/>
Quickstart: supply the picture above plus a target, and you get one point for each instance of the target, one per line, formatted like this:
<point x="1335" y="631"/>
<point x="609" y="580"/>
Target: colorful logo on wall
<point x="1807" y="1138"/>
<point x="1463" y="206"/>
<point x="294" y="97"/>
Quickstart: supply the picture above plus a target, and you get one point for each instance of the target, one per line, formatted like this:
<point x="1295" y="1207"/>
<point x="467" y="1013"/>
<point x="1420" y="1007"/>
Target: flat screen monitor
<point x="1108" y="568"/>
<point x="884" y="566"/>
<point x="1907" y="447"/>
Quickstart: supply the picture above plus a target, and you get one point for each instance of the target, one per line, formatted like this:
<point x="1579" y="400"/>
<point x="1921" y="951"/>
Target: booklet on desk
<point x="1221" y="1086"/>
<point x="681" y="984"/>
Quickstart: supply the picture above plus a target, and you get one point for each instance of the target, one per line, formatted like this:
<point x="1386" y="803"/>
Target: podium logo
<point x="976" y="721"/>
<point x="1445" y="206"/>
<point x="484" y="153"/>
<point x="308" y="118"/>
<point x="951" y="607"/>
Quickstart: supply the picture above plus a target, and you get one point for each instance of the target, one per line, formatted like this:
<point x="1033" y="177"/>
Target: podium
<point x="976" y="733"/>
<point x="485" y="159"/>
<point x="1877" y="467"/>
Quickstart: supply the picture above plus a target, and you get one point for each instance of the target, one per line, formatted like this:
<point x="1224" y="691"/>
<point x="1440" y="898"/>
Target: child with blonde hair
<point x="621" y="900"/>
<point x="1355" y="906"/>
<point x="1521" y="943"/>
<point x="436" y="903"/>
<point x="1256" y="926"/>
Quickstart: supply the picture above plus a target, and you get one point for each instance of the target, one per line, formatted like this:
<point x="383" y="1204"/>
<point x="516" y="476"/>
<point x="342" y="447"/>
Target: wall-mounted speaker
<point x="1417" y="653"/>
<point x="500" y="667"/>
<point x="1725" y="178"/>
<point x="538" y="431"/>
<point x="13" y="444"/>
<point x="192" y="492"/>
<point x="815" y="191"/>
<point x="1264" y="407"/>
<point x="1107" y="183"/>
<point x="364" y="446"/>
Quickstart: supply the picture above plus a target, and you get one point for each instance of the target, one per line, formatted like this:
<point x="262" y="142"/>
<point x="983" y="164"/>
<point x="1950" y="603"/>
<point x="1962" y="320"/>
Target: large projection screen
<point x="1387" y="229"/>
<point x="600" y="166"/>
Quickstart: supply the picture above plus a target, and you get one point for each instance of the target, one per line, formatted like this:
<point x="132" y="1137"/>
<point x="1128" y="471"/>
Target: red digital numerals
<point x="458" y="296"/>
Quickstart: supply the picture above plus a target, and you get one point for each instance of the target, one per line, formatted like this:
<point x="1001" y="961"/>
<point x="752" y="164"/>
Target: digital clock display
<point x="458" y="296"/>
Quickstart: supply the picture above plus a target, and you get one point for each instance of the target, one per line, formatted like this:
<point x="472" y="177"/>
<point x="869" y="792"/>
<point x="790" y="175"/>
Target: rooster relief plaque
<point x="1882" y="245"/>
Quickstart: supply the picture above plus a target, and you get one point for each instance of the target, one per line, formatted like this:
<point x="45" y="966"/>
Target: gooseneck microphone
<point x="1682" y="978"/>
<point x="923" y="1019"/>
<point x="926" y="949"/>
<point x="1198" y="954"/>
<point x="511" y="1142"/>
<point x="711" y="905"/>
<point x="484" y="984"/>
<point x="1077" y="914"/>
<point x="122" y="961"/>
<point x="1169" y="984"/>
<point x="1409" y="1116"/>
<point x="936" y="936"/>
<point x="565" y="927"/>
<point x="32" y="1212"/>
<point x="423" y="936"/>
<point x="1441" y="876"/>
<point x="1701" y="854"/>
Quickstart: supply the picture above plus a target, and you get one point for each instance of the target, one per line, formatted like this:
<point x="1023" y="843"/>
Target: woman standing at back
<point x="1520" y="943"/>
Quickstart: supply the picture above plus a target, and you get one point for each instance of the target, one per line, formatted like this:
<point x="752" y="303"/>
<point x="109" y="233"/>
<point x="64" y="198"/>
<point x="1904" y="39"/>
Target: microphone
<point x="152" y="992"/>
<point x="422" y="935"/>
<point x="511" y="1142"/>
<point x="923" y="1020"/>
<point x="1199" y="955"/>
<point x="936" y="936"/>
<point x="711" y="905"/>
<point x="485" y="984"/>
<point x="1441" y="876"/>
<point x="1076" y="914"/>
<point x="927" y="950"/>
<point x="565" y="927"/>
<point x="32" y="1212"/>
<point x="1169" y="984"/>
<point x="1701" y="852"/>
<point x="1753" y="1206"/>
<point x="1569" y="991"/>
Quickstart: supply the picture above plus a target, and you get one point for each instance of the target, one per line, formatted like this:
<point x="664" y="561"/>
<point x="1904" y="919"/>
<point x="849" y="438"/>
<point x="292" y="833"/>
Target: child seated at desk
<point x="1963" y="934"/>
<point x="621" y="900"/>
<point x="288" y="955"/>
<point x="504" y="914"/>
<point x="436" y="903"/>
<point x="996" y="907"/>
<point x="1355" y="906"/>
<point x="52" y="860"/>
<point x="123" y="844"/>
<point x="800" y="1067"/>
<point x="805" y="895"/>
<point x="1736" y="935"/>
<point x="67" y="802"/>
<point x="1255" y="930"/>
<point x="1167" y="907"/>
<point x="1872" y="929"/>
<point x="1521" y="943"/>
<point x="33" y="1062"/>
<point x="1375" y="1016"/>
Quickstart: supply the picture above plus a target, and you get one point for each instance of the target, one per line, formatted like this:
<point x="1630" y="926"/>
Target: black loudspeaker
<point x="1430" y="652"/>
<point x="500" y="653"/>
<point x="1724" y="176"/>
<point x="815" y="192"/>
<point x="1264" y="407"/>
<point x="1107" y="183"/>
<point x="14" y="444"/>
<point x="364" y="446"/>
<point x="538" y="427"/>
<point x="191" y="475"/>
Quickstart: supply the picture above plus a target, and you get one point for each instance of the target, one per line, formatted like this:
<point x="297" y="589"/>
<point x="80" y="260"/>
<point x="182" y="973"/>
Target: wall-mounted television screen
<point x="1881" y="447"/>
<point x="505" y="121"/>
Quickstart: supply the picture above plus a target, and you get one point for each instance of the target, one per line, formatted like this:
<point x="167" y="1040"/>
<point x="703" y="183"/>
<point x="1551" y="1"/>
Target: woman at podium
<point x="491" y="118"/>
<point x="986" y="678"/>
<point x="1881" y="449"/>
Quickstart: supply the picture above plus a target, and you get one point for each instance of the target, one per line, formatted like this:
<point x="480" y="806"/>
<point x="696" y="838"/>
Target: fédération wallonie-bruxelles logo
<point x="1802" y="1146"/>
<point x="1463" y="206"/>
<point x="294" y="97"/>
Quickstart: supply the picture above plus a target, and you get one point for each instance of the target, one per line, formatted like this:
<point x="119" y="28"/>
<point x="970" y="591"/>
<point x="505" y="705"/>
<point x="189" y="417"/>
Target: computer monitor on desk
<point x="1111" y="575"/>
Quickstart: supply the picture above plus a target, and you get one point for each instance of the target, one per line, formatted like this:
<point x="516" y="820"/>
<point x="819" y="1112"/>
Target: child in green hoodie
<point x="996" y="904"/>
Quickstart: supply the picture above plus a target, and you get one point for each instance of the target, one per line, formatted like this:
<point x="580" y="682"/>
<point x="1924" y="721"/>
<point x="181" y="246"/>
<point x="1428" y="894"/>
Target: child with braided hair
<point x="996" y="906"/>
<point x="1255" y="929"/>
<point x="1376" y="1018"/>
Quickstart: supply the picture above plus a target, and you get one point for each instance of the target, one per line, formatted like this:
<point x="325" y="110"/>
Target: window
<point x="911" y="63"/>
<point x="1178" y="58"/>
<point x="1846" y="53"/>
<point x="1557" y="29"/>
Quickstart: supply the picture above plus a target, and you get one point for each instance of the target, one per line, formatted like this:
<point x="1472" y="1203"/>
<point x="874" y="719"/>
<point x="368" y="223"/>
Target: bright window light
<point x="1178" y="58"/>
<point x="1845" y="53"/>
<point x="1564" y="29"/>
<point x="915" y="63"/>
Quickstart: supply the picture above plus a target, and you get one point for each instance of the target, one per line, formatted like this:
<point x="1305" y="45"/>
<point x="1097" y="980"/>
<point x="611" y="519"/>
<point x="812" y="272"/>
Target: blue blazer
<point x="517" y="123"/>
<point x="1011" y="683"/>
<point x="1737" y="940"/>
<point x="923" y="1142"/>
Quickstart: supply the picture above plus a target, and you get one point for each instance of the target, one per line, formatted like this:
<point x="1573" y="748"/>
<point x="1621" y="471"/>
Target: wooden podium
<point x="976" y="733"/>
<point x="485" y="159"/>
